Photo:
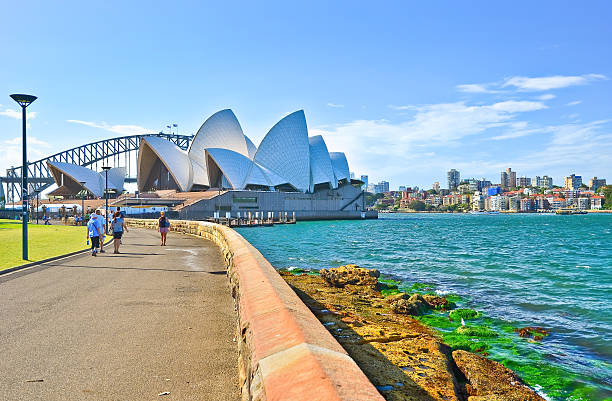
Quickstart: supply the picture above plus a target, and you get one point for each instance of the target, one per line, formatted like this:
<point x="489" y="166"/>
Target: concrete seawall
<point x="284" y="351"/>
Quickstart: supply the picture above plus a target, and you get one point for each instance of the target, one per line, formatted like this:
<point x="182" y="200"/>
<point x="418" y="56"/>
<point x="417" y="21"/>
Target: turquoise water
<point x="520" y="270"/>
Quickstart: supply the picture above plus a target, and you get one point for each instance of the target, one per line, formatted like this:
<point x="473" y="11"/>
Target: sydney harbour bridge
<point x="113" y="152"/>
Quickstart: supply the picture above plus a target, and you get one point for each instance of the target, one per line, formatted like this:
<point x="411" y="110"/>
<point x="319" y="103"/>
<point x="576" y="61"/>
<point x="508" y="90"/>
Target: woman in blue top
<point x="119" y="226"/>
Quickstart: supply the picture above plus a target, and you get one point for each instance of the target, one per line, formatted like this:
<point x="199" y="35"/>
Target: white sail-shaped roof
<point x="221" y="130"/>
<point x="63" y="172"/>
<point x="286" y="152"/>
<point x="251" y="147"/>
<point x="239" y="170"/>
<point x="116" y="178"/>
<point x="320" y="162"/>
<point x="174" y="159"/>
<point x="341" y="168"/>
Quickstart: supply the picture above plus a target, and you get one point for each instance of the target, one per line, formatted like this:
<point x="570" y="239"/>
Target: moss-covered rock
<point x="464" y="313"/>
<point x="476" y="331"/>
<point x="415" y="305"/>
<point x="350" y="274"/>
<point x="489" y="380"/>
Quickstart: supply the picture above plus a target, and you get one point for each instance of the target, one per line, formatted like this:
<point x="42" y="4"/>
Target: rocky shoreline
<point x="406" y="360"/>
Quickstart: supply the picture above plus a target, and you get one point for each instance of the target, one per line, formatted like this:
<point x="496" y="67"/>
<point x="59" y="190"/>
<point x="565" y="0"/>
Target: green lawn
<point x="44" y="242"/>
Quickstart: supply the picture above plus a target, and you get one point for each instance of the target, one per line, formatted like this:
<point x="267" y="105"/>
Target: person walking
<point x="102" y="227"/>
<point x="93" y="234"/>
<point x="163" y="226"/>
<point x="119" y="227"/>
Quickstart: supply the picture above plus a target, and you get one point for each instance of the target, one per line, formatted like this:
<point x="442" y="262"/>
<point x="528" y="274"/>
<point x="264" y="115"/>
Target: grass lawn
<point x="44" y="242"/>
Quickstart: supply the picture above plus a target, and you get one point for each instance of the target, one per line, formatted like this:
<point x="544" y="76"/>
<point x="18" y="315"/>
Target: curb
<point x="51" y="259"/>
<point x="285" y="353"/>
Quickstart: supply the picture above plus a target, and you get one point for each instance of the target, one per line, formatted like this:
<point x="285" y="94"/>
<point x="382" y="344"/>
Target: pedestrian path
<point x="133" y="326"/>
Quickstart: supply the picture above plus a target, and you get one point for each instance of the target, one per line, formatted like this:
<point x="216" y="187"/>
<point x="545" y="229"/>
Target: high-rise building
<point x="483" y="184"/>
<point x="573" y="182"/>
<point x="352" y="175"/>
<point x="381" y="187"/>
<point x="453" y="179"/>
<point x="508" y="178"/>
<point x="595" y="183"/>
<point x="543" y="182"/>
<point x="436" y="186"/>
<point x="364" y="178"/>
<point x="523" y="182"/>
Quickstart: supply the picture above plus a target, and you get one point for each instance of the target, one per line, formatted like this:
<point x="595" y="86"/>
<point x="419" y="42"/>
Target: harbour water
<point x="519" y="270"/>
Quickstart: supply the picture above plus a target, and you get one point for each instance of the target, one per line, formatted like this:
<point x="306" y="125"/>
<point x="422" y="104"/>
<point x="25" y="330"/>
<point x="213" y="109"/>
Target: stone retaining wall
<point x="284" y="351"/>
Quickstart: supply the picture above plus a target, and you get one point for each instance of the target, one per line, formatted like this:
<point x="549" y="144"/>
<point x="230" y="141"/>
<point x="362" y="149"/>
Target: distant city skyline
<point x="407" y="91"/>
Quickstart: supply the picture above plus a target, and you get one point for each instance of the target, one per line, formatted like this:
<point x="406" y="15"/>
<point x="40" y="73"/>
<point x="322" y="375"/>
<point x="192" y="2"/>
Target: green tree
<point x="417" y="205"/>
<point x="607" y="193"/>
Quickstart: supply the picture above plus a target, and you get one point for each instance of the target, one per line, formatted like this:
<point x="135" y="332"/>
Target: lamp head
<point x="23" y="100"/>
<point x="106" y="168"/>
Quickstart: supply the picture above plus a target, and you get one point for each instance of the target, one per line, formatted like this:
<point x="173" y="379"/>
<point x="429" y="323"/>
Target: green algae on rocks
<point x="464" y="313"/>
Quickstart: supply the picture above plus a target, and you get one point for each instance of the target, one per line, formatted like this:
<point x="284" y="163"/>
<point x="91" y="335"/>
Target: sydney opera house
<point x="289" y="171"/>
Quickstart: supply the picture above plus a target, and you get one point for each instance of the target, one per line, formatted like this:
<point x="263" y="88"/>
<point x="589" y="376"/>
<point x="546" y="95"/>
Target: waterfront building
<point x="597" y="202"/>
<point x="558" y="203"/>
<point x="527" y="205"/>
<point x="288" y="171"/>
<point x="478" y="202"/>
<point x="364" y="179"/>
<point x="543" y="182"/>
<point x="595" y="183"/>
<point x="541" y="203"/>
<point x="523" y="182"/>
<point x="508" y="178"/>
<point x="453" y="178"/>
<point x="444" y="191"/>
<point x="498" y="203"/>
<point x="583" y="203"/>
<point x="514" y="203"/>
<point x="436" y="186"/>
<point x="573" y="182"/>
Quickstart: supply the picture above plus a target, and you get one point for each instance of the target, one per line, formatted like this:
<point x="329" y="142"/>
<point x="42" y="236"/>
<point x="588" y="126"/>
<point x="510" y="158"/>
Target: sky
<point x="408" y="90"/>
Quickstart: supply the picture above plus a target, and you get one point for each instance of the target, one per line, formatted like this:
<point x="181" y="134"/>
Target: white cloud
<point x="475" y="88"/>
<point x="513" y="106"/>
<point x="402" y="108"/>
<point x="335" y="105"/>
<point x="552" y="82"/>
<point x="546" y="96"/>
<point x="574" y="103"/>
<point x="390" y="148"/>
<point x="31" y="141"/>
<point x="119" y="129"/>
<point x="16" y="114"/>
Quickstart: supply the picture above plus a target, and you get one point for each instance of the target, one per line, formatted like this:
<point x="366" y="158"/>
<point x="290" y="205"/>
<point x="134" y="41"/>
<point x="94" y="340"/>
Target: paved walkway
<point x="121" y="327"/>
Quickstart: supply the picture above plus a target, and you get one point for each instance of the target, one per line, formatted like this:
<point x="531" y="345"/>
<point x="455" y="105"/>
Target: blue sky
<point x="408" y="90"/>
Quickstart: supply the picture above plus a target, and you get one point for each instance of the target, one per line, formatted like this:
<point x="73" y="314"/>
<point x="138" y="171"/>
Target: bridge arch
<point x="40" y="178"/>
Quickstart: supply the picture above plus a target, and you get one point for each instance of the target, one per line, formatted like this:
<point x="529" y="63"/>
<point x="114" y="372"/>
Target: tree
<point x="607" y="193"/>
<point x="417" y="206"/>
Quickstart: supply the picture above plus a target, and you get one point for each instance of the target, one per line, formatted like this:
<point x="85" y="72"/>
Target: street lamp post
<point x="106" y="168"/>
<point x="24" y="101"/>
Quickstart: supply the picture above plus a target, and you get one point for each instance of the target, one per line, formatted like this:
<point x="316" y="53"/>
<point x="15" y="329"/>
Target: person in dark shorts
<point x="93" y="234"/>
<point x="118" y="225"/>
